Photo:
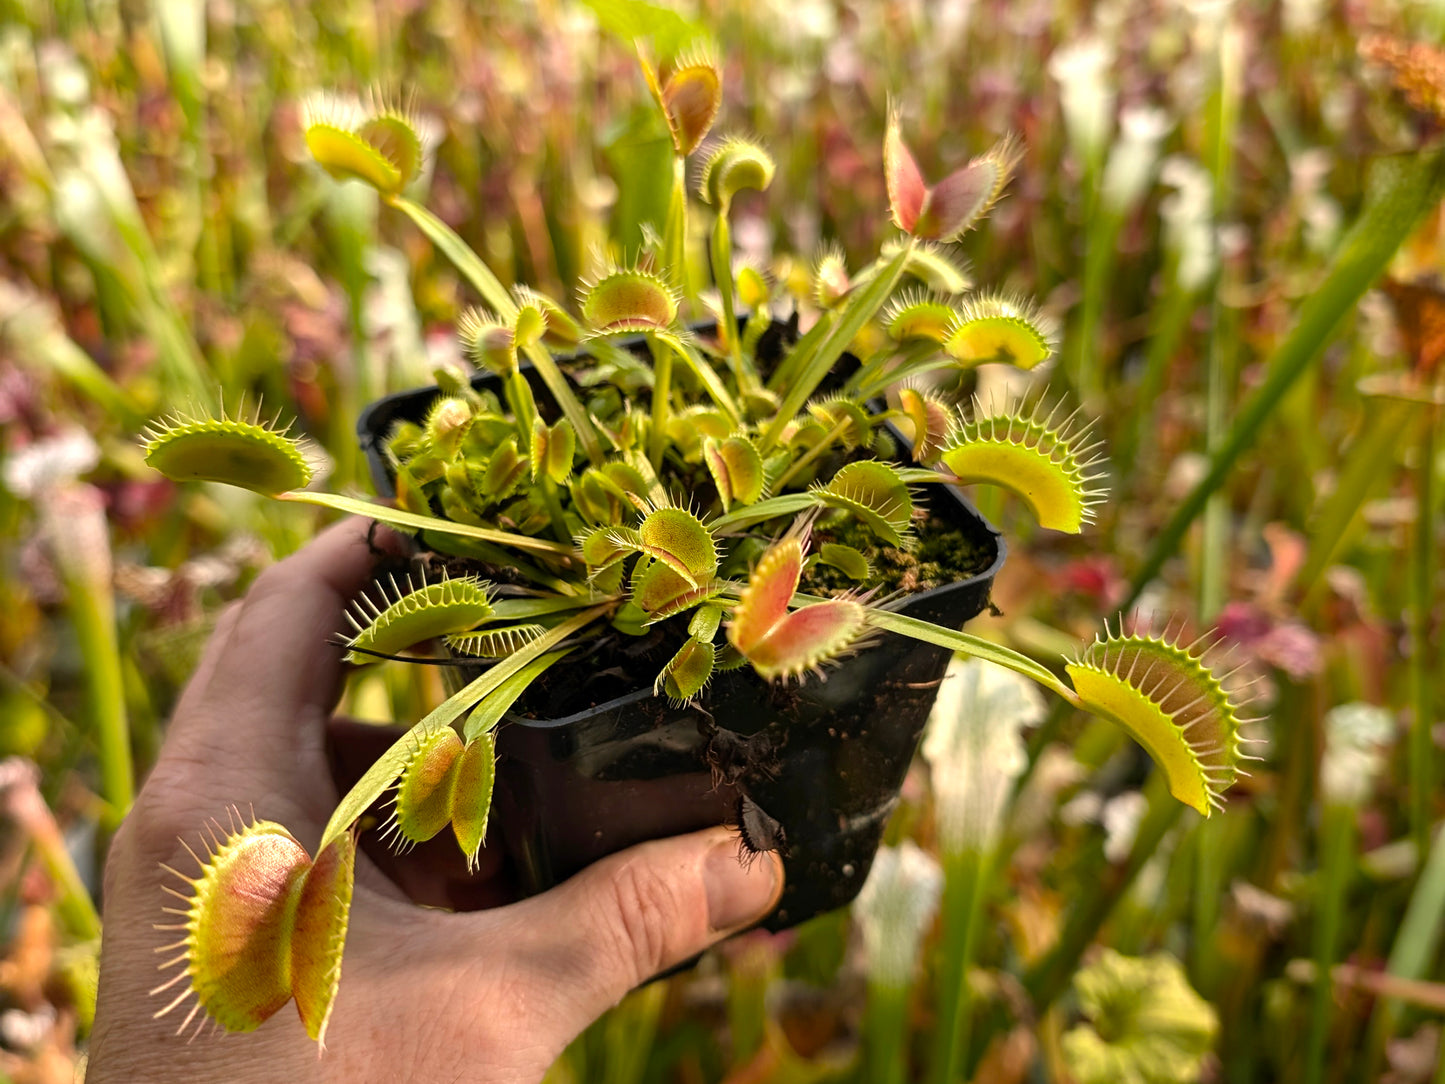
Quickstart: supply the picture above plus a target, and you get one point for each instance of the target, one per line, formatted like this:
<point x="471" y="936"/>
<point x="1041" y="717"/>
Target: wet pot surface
<point x="811" y="769"/>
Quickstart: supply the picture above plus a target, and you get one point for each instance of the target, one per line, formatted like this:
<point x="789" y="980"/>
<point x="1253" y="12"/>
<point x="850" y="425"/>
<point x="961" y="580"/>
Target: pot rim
<point x="370" y="437"/>
<point x="647" y="693"/>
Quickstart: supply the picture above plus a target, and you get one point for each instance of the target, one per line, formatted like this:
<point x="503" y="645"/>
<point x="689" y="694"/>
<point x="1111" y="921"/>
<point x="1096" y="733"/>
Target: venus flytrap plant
<point x="752" y="512"/>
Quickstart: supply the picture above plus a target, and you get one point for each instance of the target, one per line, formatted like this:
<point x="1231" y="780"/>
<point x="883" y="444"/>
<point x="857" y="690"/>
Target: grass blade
<point x="1405" y="190"/>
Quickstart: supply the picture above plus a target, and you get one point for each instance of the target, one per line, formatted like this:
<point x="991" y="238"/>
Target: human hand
<point x="490" y="997"/>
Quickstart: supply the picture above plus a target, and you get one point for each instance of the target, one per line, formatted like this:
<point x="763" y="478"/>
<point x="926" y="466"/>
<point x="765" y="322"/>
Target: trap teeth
<point x="1172" y="703"/>
<point x="242" y="451"/>
<point x="404" y="618"/>
<point x="1048" y="463"/>
<point x="263" y="923"/>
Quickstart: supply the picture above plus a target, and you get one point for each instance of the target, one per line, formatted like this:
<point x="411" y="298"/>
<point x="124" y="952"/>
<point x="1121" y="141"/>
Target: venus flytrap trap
<point x="263" y="923"/>
<point x="727" y="500"/>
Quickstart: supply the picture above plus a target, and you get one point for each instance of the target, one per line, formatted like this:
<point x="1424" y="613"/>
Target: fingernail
<point x="739" y="892"/>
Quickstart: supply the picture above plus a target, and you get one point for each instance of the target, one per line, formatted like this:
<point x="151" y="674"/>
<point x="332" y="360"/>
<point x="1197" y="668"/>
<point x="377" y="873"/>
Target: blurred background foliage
<point x="1043" y="911"/>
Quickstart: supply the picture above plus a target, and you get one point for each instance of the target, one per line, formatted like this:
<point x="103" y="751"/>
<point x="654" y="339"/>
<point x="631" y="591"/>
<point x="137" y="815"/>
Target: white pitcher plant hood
<point x="1082" y="69"/>
<point x="975" y="750"/>
<point x="1358" y="737"/>
<point x="895" y="909"/>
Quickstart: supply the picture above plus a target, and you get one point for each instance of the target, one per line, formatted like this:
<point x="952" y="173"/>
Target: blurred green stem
<point x="965" y="887"/>
<point x="1223" y="113"/>
<point x="885" y="1029"/>
<point x="753" y="970"/>
<point x="1337" y="858"/>
<point x="1416" y="946"/>
<point x="1167" y="323"/>
<point x="1369" y="462"/>
<point x="1214" y="550"/>
<point x="92" y="610"/>
<point x="1047" y="979"/>
<point x="1405" y="190"/>
<point x="1211" y="876"/>
<point x="1422" y="670"/>
<point x="1101" y="240"/>
<point x="630" y="1034"/>
<point x="74" y="525"/>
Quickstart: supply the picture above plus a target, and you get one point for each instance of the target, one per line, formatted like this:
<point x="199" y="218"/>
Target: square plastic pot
<point x="821" y="762"/>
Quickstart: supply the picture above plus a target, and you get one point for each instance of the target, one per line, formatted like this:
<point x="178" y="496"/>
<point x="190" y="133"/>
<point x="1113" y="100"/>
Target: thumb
<point x="641" y="911"/>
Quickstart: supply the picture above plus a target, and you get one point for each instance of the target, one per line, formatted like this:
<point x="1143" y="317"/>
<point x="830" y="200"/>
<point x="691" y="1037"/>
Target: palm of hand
<point x="491" y="996"/>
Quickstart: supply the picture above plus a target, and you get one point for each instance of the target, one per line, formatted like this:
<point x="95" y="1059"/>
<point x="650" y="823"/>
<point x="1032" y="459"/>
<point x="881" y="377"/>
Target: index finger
<point x="276" y="669"/>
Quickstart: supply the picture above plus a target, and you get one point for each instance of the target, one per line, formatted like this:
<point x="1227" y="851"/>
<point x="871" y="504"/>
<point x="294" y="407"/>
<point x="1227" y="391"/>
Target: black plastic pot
<point x="824" y="760"/>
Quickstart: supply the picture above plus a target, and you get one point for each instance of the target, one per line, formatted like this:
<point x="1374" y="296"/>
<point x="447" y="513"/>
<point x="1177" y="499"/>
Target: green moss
<point x="932" y="554"/>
